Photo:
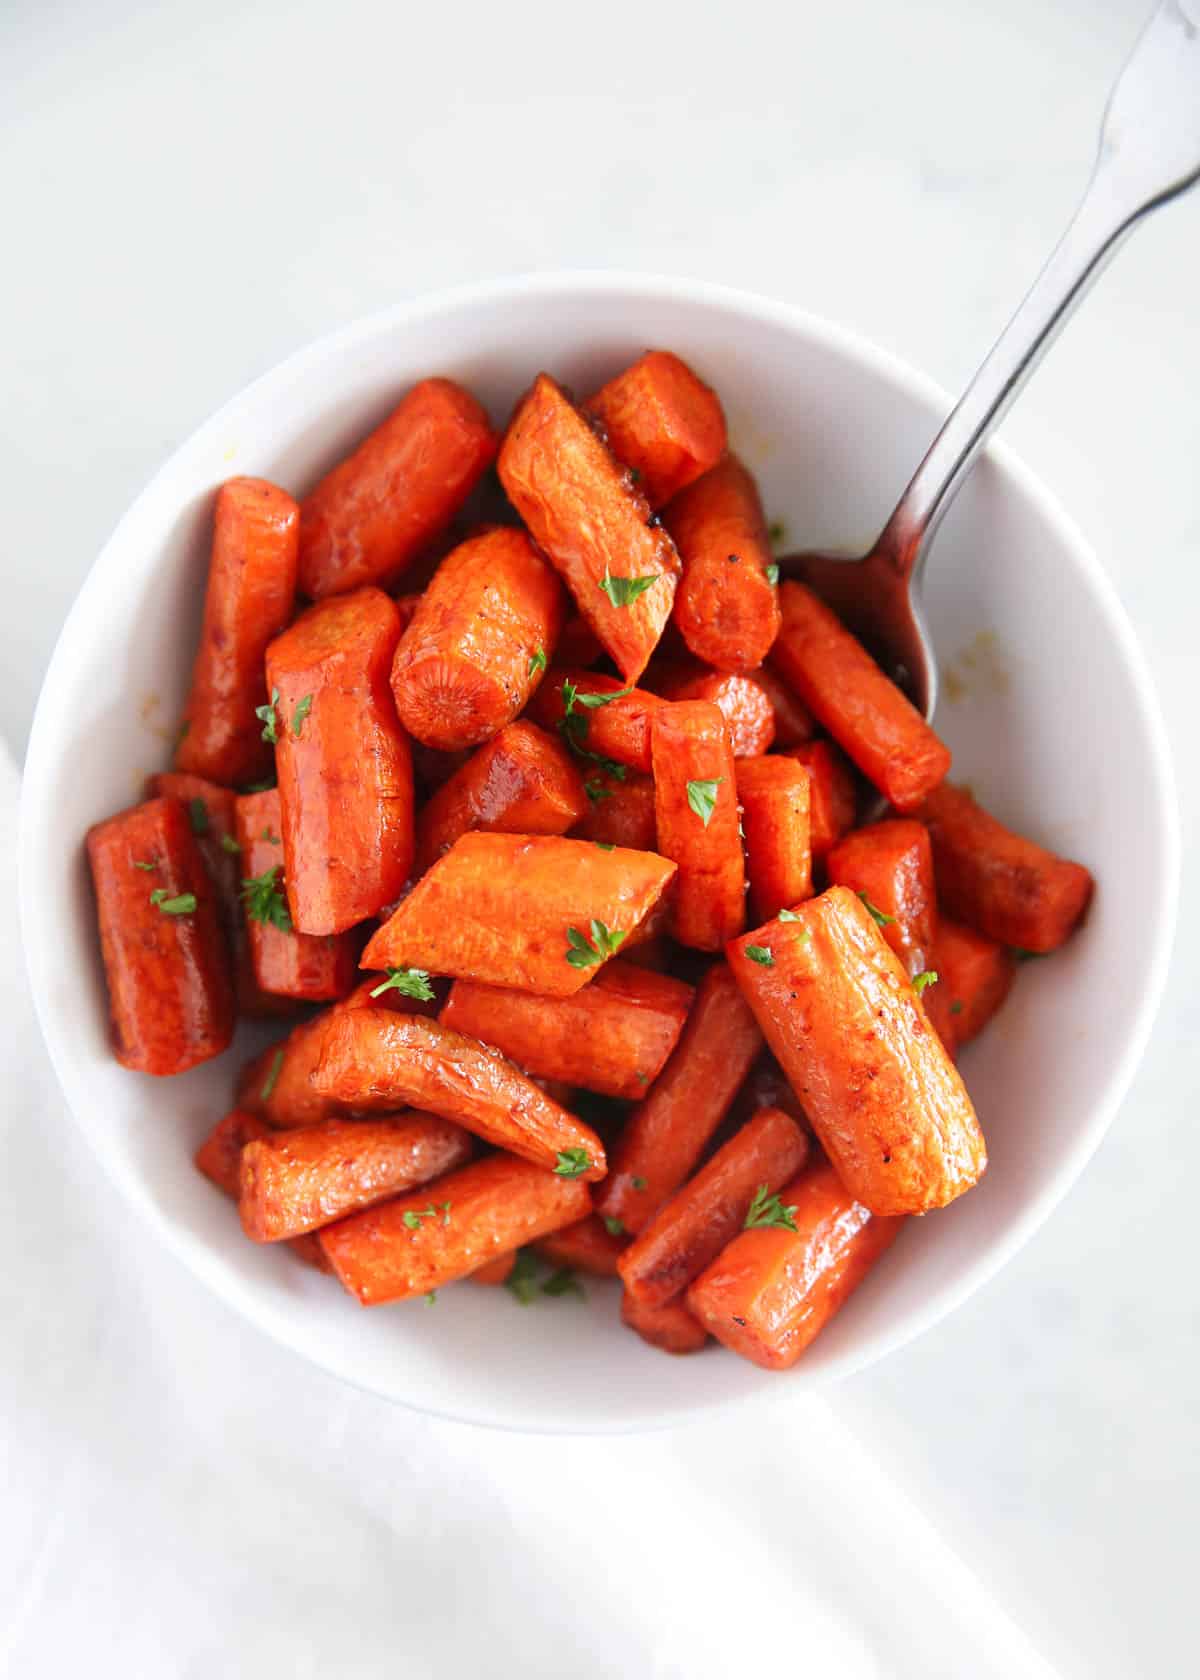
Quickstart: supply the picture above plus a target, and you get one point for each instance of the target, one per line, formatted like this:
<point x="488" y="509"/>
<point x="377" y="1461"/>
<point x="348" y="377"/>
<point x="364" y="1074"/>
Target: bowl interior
<point x="1045" y="704"/>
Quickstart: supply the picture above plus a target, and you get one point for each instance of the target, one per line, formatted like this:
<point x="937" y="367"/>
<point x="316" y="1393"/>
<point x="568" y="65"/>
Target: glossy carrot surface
<point x="524" y="781"/>
<point x="219" y="1157"/>
<point x="672" y="1327"/>
<point x="727" y="605"/>
<point x="741" y="700"/>
<point x="618" y="729"/>
<point x="620" y="811"/>
<point x="695" y="795"/>
<point x="776" y="824"/>
<point x="890" y="866"/>
<point x="588" y="1246"/>
<point x="662" y="422"/>
<point x="494" y="1272"/>
<point x="831" y="794"/>
<point x="794" y="723"/>
<point x="975" y="975"/>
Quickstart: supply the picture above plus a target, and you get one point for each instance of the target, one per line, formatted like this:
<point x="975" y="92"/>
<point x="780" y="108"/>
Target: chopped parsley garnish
<point x="264" y="786"/>
<point x="603" y="845"/>
<point x="585" y="953"/>
<point x="623" y="591"/>
<point x="431" y="1298"/>
<point x="956" y="1008"/>
<point x="263" y="898"/>
<point x="409" y="982"/>
<point x="272" y="1075"/>
<point x="303" y="707"/>
<point x="772" y="574"/>
<point x="927" y="977"/>
<point x="638" y="1182"/>
<point x="270" y="722"/>
<point x="776" y="533"/>
<point x="198" y="815"/>
<point x="271" y="838"/>
<point x="572" y="1163"/>
<point x="761" y="955"/>
<point x="229" y="844"/>
<point x="880" y="917"/>
<point x="702" y="798"/>
<point x="596" y="790"/>
<point x="522" y="1280"/>
<point x="573" y="726"/>
<point x="769" y="1211"/>
<point x="181" y="905"/>
<point x="614" y="1227"/>
<point x="150" y="864"/>
<point x="412" y="1217"/>
<point x="563" y="1282"/>
<point x="537" y="661"/>
<point x="787" y="916"/>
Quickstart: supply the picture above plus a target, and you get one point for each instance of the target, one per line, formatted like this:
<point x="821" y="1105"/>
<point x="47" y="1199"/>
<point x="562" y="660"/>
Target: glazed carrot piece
<point x="369" y="518"/>
<point x="671" y="1328"/>
<point x="850" y="696"/>
<point x="772" y="1290"/>
<point x="170" y="991"/>
<point x="406" y="609"/>
<point x="726" y="606"/>
<point x="522" y="782"/>
<point x="394" y="1251"/>
<point x="620" y="813"/>
<point x="538" y="913"/>
<point x="692" y="1228"/>
<point x="890" y="866"/>
<point x="612" y="1037"/>
<point x="374" y="1061"/>
<point x="794" y="722"/>
<point x="296" y="965"/>
<point x="251" y="590"/>
<point x="582" y="510"/>
<point x="774" y="796"/>
<point x="479" y="640"/>
<point x="295" y="1182"/>
<point x="618" y="729"/>
<point x="664" y="423"/>
<point x="741" y="700"/>
<point x="345" y="770"/>
<point x="219" y="1159"/>
<point x="494" y="1272"/>
<point x="853" y="1038"/>
<point x="975" y="975"/>
<point x="832" y="798"/>
<point x="695" y="797"/>
<point x="666" y="1134"/>
<point x="578" y="645"/>
<point x="999" y="883"/>
<point x="588" y="1246"/>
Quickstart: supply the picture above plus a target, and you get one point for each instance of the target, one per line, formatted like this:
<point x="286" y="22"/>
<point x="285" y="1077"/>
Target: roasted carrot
<point x="850" y="696"/>
<point x="374" y="513"/>
<point x="396" y="1250"/>
<point x="692" y="1228"/>
<point x="975" y="975"/>
<point x="251" y="589"/>
<point x="494" y="1272"/>
<point x="219" y="1159"/>
<point x="666" y="1134"/>
<point x="999" y="883"/>
<point x="662" y="422"/>
<point x="774" y="797"/>
<point x="597" y="728"/>
<point x="793" y="721"/>
<point x="853" y="1038"/>
<point x="479" y="640"/>
<point x="374" y="1061"/>
<point x="522" y="782"/>
<point x="283" y="960"/>
<point x="406" y="609"/>
<point x="579" y="505"/>
<point x="345" y="770"/>
<point x="612" y="1037"/>
<point x="768" y="1294"/>
<point x="832" y="799"/>
<point x="293" y="1182"/>
<point x="170" y="990"/>
<point x="588" y="1246"/>
<point x="620" y="812"/>
<point x="671" y="1328"/>
<point x="538" y="913"/>
<point x="890" y="866"/>
<point x="695" y="798"/>
<point x="727" y="605"/>
<point x="741" y="700"/>
<point x="765" y="1086"/>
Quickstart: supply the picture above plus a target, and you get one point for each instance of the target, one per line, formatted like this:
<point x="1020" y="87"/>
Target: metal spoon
<point x="1149" y="153"/>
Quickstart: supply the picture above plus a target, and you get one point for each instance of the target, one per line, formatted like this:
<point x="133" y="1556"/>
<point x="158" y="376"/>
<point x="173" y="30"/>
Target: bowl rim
<point x="910" y="382"/>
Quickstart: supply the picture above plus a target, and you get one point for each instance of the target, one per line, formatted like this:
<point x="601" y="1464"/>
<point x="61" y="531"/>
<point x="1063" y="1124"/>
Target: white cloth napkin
<point x="178" y="1497"/>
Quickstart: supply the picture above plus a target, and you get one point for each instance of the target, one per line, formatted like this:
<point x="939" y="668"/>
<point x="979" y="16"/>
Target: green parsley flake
<point x="431" y="1298"/>
<point x="303" y="707"/>
<point x="761" y="955"/>
<point x="263" y="898"/>
<point x="412" y="1217"/>
<point x="879" y="916"/>
<point x="623" y="591"/>
<point x="198" y="815"/>
<point x="572" y="1163"/>
<point x="927" y="977"/>
<point x="777" y="533"/>
<point x="181" y="905"/>
<point x="772" y="574"/>
<point x="271" y="838"/>
<point x="522" y="1280"/>
<point x="270" y="722"/>
<point x="229" y="844"/>
<point x="596" y="790"/>
<point x="584" y="953"/>
<point x="787" y="916"/>
<point x="537" y="661"/>
<point x="264" y="786"/>
<point x="150" y="865"/>
<point x="766" y="1210"/>
<point x="614" y="1227"/>
<point x="409" y="982"/>
<point x="603" y="845"/>
<point x="956" y="1008"/>
<point x="272" y="1075"/>
<point x="638" y="1182"/>
<point x="573" y="725"/>
<point x="563" y="1282"/>
<point x="702" y="798"/>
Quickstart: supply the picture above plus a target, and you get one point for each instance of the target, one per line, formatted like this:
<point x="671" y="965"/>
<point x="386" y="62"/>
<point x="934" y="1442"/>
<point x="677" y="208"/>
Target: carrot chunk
<point x="494" y="1272"/>
<point x="537" y="913"/>
<point x="666" y="1134"/>
<point x="772" y="1290"/>
<point x="726" y="606"/>
<point x="572" y="701"/>
<point x="478" y="642"/>
<point x="345" y="768"/>
<point x="374" y="1061"/>
<point x="741" y="700"/>
<point x="170" y="991"/>
<point x="853" y="1038"/>
<point x="394" y="1251"/>
<point x="619" y="564"/>
<point x="794" y="722"/>
<point x="774" y="796"/>
<point x="369" y="518"/>
<point x="662" y="422"/>
<point x="695" y="796"/>
<point x="975" y="975"/>
<point x="251" y="589"/>
<point x="692" y="1228"/>
<point x="850" y="696"/>
<point x="671" y="1327"/>
<point x="832" y="799"/>
<point x="890" y="866"/>
<point x="588" y="1246"/>
<point x="999" y="883"/>
<point x="612" y="1037"/>
<point x="219" y="1158"/>
<point x="620" y="813"/>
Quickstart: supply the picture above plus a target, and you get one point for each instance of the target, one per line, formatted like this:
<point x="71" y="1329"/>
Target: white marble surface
<point x="192" y="192"/>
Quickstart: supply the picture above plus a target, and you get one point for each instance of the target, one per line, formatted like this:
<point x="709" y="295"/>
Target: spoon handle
<point x="1149" y="153"/>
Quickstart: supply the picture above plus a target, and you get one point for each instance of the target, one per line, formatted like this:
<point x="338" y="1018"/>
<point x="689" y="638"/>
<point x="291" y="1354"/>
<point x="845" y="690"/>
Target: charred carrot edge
<point x="619" y="729"/>
<point x="999" y="883"/>
<point x="494" y="1272"/>
<point x="695" y="796"/>
<point x="219" y="1159"/>
<point x="832" y="798"/>
<point x="666" y="1134"/>
<point x="671" y="1327"/>
<point x="251" y="589"/>
<point x="588" y="1246"/>
<point x="890" y="866"/>
<point x="663" y="422"/>
<point x="975" y="975"/>
<point x="477" y="645"/>
<point x="774" y="797"/>
<point x="741" y="700"/>
<point x="534" y="912"/>
<point x="395" y="1251"/>
<point x="794" y="723"/>
<point x="692" y="1228"/>
<point x="619" y="813"/>
<point x="850" y="696"/>
<point x="345" y="769"/>
<point x="369" y="518"/>
<point x="619" y="563"/>
<point x="726" y="606"/>
<point x="851" y="1034"/>
<point x="773" y="1289"/>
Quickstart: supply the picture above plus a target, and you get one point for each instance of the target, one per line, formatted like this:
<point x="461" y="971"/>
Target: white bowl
<point x="1058" y="731"/>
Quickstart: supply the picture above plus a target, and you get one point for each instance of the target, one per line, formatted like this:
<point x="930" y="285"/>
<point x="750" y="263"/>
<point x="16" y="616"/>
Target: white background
<point x="190" y="192"/>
